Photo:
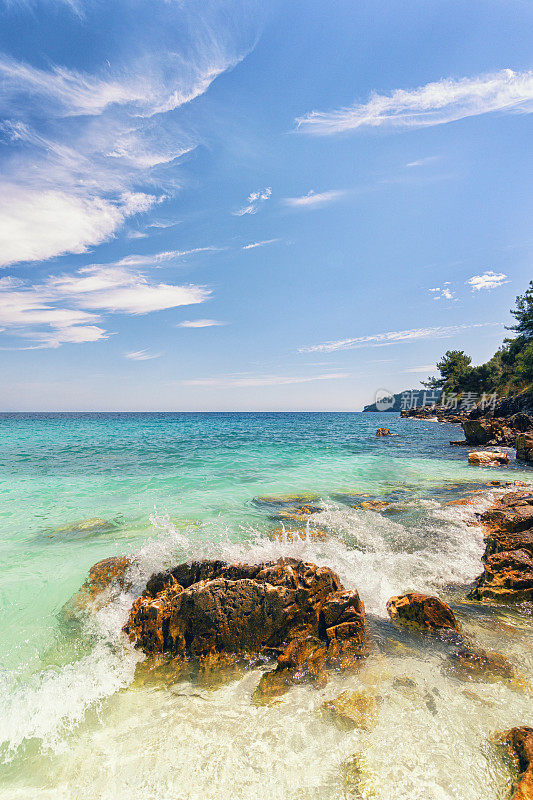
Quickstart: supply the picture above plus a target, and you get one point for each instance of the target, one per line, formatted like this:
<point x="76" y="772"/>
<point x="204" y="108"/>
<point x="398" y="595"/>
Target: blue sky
<point x="213" y="206"/>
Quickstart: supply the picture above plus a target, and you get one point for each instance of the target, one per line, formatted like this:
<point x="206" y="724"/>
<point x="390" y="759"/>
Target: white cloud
<point x="254" y="200"/>
<point x="38" y="224"/>
<point x="199" y="323"/>
<point x="425" y="368"/>
<point x="313" y="199"/>
<point x="141" y="355"/>
<point x="252" y="245"/>
<point x="488" y="280"/>
<point x="159" y="258"/>
<point x="443" y="293"/>
<point x="435" y="103"/>
<point x="64" y="308"/>
<point x="230" y="382"/>
<point x="392" y="337"/>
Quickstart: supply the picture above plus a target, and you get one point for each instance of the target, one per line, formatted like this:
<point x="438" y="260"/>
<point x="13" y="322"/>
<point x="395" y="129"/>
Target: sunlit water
<point x="172" y="487"/>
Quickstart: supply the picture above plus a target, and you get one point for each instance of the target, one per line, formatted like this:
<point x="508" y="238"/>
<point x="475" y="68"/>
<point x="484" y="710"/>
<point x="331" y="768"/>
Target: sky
<point x="215" y="205"/>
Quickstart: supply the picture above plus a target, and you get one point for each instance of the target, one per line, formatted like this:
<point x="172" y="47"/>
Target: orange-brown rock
<point x="520" y="743"/>
<point x="471" y="664"/>
<point x="287" y="606"/>
<point x="487" y="458"/>
<point x="104" y="577"/>
<point x="373" y="505"/>
<point x="383" y="432"/>
<point x="508" y="558"/>
<point x="422" y="611"/>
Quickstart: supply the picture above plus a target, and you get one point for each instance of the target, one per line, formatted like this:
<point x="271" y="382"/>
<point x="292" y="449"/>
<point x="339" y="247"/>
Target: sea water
<point x="166" y="488"/>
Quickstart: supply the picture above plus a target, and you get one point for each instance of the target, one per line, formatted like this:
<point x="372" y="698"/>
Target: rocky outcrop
<point x="520" y="743"/>
<point x="508" y="558"/>
<point x="423" y="612"/>
<point x="295" y="610"/>
<point x="487" y="458"/>
<point x="524" y="446"/>
<point x="383" y="432"/>
<point x="496" y="430"/>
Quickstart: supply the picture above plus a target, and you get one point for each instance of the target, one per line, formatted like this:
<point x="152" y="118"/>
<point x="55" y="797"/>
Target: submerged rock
<point x="520" y="743"/>
<point x="354" y="709"/>
<point x="373" y="505"/>
<point x="473" y="664"/>
<point x="423" y="612"/>
<point x="508" y="558"/>
<point x="295" y="609"/>
<point x="312" y="534"/>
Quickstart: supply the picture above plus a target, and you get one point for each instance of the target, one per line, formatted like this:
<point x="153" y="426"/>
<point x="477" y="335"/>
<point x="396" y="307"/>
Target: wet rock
<point x="373" y="505"/>
<point x="520" y="743"/>
<point x="487" y="458"/>
<point x="289" y="607"/>
<point x="423" y="612"/>
<point x="383" y="432"/>
<point x="473" y="664"/>
<point x="105" y="580"/>
<point x="458" y="442"/>
<point x="508" y="558"/>
<point x="524" y="446"/>
<point x="353" y="709"/>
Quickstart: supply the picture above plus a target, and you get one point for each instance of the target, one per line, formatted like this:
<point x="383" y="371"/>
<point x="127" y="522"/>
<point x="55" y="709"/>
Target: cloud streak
<point x="199" y="323"/>
<point x="393" y="337"/>
<point x="435" y="103"/>
<point x="253" y="202"/>
<point x="314" y="199"/>
<point x="228" y="382"/>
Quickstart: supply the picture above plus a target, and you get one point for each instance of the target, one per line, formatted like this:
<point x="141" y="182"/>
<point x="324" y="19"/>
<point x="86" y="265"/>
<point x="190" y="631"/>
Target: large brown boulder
<point x="520" y="743"/>
<point x="281" y="607"/>
<point x="508" y="558"/>
<point x="423" y="612"/>
<point x="487" y="458"/>
<point x="478" y="431"/>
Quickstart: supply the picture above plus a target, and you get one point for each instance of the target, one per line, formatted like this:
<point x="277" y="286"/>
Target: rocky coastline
<point x="207" y="621"/>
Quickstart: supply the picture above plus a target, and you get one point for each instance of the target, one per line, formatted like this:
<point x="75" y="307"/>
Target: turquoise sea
<point x="170" y="487"/>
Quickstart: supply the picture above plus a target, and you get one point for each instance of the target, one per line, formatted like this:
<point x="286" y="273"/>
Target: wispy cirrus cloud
<point x="436" y="103"/>
<point x="314" y="199"/>
<point x="394" y="337"/>
<point x="200" y="323"/>
<point x="229" y="382"/>
<point x="83" y="151"/>
<point x="141" y="355"/>
<point x="253" y="245"/>
<point x="71" y="307"/>
<point x="253" y="202"/>
<point x="488" y="280"/>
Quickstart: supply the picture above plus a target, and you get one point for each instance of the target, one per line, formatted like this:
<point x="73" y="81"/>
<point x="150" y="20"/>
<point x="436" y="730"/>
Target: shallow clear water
<point x="171" y="487"/>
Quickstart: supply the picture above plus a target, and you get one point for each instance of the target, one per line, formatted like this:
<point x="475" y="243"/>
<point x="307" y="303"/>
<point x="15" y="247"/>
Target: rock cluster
<point x="508" y="558"/>
<point x="383" y="432"/>
<point x="497" y="430"/>
<point x="524" y="446"/>
<point x="289" y="608"/>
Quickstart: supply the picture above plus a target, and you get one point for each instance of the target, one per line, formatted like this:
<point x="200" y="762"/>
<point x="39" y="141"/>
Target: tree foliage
<point x="509" y="370"/>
